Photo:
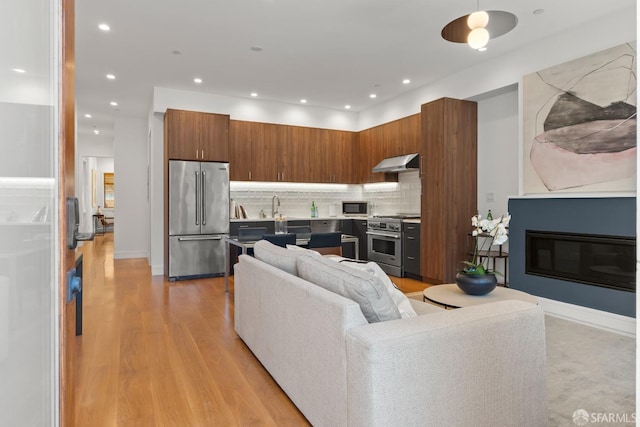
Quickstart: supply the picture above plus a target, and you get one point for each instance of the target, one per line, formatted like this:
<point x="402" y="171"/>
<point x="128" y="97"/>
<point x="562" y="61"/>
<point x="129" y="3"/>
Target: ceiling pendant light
<point x="478" y="38"/>
<point x="477" y="21"/>
<point x="477" y="28"/>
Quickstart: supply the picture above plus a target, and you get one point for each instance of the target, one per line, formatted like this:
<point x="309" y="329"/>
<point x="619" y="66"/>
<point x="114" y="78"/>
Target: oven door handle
<point x="383" y="234"/>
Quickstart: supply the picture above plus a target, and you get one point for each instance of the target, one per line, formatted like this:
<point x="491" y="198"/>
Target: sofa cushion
<point x="362" y="287"/>
<point x="399" y="298"/>
<point x="279" y="257"/>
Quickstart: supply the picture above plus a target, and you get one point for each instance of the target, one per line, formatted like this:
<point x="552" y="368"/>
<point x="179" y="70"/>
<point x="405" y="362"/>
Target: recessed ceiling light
<point x="19" y="70"/>
<point x="88" y="116"/>
<point x="111" y="76"/>
<point x="406" y="81"/>
<point x="96" y="131"/>
<point x="113" y="103"/>
<point x="303" y="101"/>
<point x="347" y="107"/>
<point x="254" y="94"/>
<point x="104" y="27"/>
<point x="197" y="80"/>
<point x="373" y="95"/>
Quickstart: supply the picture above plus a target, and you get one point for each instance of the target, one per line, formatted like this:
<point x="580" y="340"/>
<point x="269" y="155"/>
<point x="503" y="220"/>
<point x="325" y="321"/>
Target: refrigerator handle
<point x="197" y="198"/>
<point x="204" y="196"/>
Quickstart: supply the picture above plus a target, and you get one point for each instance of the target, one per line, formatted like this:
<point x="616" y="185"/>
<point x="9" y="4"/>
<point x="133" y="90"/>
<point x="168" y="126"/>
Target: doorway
<point x="96" y="193"/>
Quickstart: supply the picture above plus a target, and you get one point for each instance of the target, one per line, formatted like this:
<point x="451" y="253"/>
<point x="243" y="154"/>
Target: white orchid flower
<point x="475" y="232"/>
<point x="498" y="240"/>
<point x="474" y="220"/>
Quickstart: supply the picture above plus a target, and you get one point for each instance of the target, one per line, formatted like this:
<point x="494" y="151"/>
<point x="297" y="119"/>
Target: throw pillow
<point x="374" y="300"/>
<point x="398" y="297"/>
<point x="279" y="257"/>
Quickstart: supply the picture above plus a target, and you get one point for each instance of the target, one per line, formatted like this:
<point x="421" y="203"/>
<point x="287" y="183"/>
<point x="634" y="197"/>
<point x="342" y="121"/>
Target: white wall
<point x="131" y="231"/>
<point x="156" y="193"/>
<point x="253" y="109"/>
<point x="498" y="150"/>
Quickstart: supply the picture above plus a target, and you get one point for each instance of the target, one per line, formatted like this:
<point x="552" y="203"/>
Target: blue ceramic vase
<point x="476" y="284"/>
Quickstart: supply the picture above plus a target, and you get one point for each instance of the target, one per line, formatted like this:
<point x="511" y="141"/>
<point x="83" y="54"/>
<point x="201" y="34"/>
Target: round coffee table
<point x="450" y="296"/>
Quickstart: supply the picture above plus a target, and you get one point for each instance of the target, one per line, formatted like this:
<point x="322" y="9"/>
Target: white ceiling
<point x="330" y="52"/>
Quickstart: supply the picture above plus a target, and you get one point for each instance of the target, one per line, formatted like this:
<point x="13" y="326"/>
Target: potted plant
<point x="476" y="278"/>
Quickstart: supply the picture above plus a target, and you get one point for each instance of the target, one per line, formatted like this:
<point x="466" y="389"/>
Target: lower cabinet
<point x="411" y="250"/>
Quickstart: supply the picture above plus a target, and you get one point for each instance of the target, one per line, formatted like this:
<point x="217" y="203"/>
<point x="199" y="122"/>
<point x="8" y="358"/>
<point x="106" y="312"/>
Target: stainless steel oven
<point x="384" y="239"/>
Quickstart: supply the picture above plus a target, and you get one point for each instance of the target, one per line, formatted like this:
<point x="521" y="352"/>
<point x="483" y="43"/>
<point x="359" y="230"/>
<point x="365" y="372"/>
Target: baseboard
<point x="611" y="322"/>
<point x="129" y="254"/>
<point x="157" y="270"/>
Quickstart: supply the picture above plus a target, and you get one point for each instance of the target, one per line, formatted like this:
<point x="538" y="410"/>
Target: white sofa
<point x="476" y="366"/>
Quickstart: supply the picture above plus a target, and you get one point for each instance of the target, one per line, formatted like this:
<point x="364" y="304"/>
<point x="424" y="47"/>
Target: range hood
<point x="406" y="163"/>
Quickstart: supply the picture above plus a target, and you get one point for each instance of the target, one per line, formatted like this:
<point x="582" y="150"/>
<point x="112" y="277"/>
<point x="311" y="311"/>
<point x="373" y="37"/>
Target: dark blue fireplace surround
<point x="614" y="216"/>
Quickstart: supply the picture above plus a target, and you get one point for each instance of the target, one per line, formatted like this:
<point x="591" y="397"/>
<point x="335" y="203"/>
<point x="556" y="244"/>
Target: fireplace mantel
<point x="613" y="216"/>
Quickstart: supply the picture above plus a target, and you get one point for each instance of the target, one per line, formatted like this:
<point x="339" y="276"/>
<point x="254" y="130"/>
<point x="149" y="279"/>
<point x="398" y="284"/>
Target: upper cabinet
<point x="192" y="135"/>
<point x="391" y="139"/>
<point x="271" y="152"/>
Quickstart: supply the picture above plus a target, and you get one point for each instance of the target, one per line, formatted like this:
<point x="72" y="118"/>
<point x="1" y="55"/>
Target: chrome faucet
<point x="274" y="207"/>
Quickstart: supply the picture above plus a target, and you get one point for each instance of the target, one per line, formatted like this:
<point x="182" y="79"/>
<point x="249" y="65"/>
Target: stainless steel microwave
<point x="355" y="208"/>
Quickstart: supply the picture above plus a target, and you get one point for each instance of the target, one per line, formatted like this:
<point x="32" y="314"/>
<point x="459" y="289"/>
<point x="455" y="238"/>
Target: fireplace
<point x="574" y="245"/>
<point x="597" y="260"/>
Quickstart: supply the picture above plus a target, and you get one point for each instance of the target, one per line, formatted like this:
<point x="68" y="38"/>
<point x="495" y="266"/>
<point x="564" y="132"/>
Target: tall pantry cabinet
<point x="449" y="186"/>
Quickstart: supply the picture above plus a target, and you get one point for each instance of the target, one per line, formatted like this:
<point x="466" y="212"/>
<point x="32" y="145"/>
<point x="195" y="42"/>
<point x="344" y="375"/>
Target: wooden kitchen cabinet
<point x="331" y="156"/>
<point x="449" y="186"/>
<point x="192" y="135"/>
<point x="371" y="151"/>
<point x="411" y="250"/>
<point x="241" y="135"/>
<point x="271" y="152"/>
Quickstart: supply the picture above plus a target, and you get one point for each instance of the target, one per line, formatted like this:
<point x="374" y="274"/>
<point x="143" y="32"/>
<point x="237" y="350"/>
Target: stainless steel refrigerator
<point x="198" y="218"/>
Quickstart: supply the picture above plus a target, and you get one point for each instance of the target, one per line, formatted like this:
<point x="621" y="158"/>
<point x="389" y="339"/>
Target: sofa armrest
<point x="481" y="365"/>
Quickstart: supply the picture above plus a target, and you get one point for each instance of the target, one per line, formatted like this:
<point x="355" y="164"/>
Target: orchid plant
<point x="492" y="231"/>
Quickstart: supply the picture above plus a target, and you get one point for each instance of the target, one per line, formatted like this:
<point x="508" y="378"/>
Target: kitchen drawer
<point x="235" y="226"/>
<point x="411" y="249"/>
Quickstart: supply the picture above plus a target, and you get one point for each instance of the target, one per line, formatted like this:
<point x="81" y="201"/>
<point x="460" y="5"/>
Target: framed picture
<point x="109" y="190"/>
<point x="579" y="124"/>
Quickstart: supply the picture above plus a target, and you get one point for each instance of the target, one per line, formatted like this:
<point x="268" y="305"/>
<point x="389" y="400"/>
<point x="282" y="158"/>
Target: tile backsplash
<point x="295" y="199"/>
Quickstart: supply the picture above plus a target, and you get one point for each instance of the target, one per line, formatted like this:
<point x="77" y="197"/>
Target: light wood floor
<point x="155" y="353"/>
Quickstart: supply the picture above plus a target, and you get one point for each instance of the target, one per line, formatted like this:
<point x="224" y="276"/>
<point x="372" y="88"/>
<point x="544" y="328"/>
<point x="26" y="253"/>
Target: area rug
<point x="590" y="373"/>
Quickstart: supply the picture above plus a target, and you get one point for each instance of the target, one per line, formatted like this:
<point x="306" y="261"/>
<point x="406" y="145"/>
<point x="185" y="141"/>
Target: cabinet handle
<point x="410" y="227"/>
<point x="411" y="258"/>
<point x="196" y="154"/>
<point x="202" y="154"/>
<point x="249" y="175"/>
<point x="283" y="176"/>
<point x="410" y="238"/>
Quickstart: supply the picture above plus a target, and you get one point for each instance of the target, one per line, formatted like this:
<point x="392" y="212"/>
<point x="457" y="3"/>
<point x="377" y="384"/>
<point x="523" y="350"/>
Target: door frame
<point x="66" y="188"/>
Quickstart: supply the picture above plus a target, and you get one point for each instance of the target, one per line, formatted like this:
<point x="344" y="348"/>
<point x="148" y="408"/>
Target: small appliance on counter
<point x="357" y="208"/>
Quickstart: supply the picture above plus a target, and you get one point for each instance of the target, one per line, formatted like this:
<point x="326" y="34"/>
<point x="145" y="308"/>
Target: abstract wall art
<point x="579" y="124"/>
